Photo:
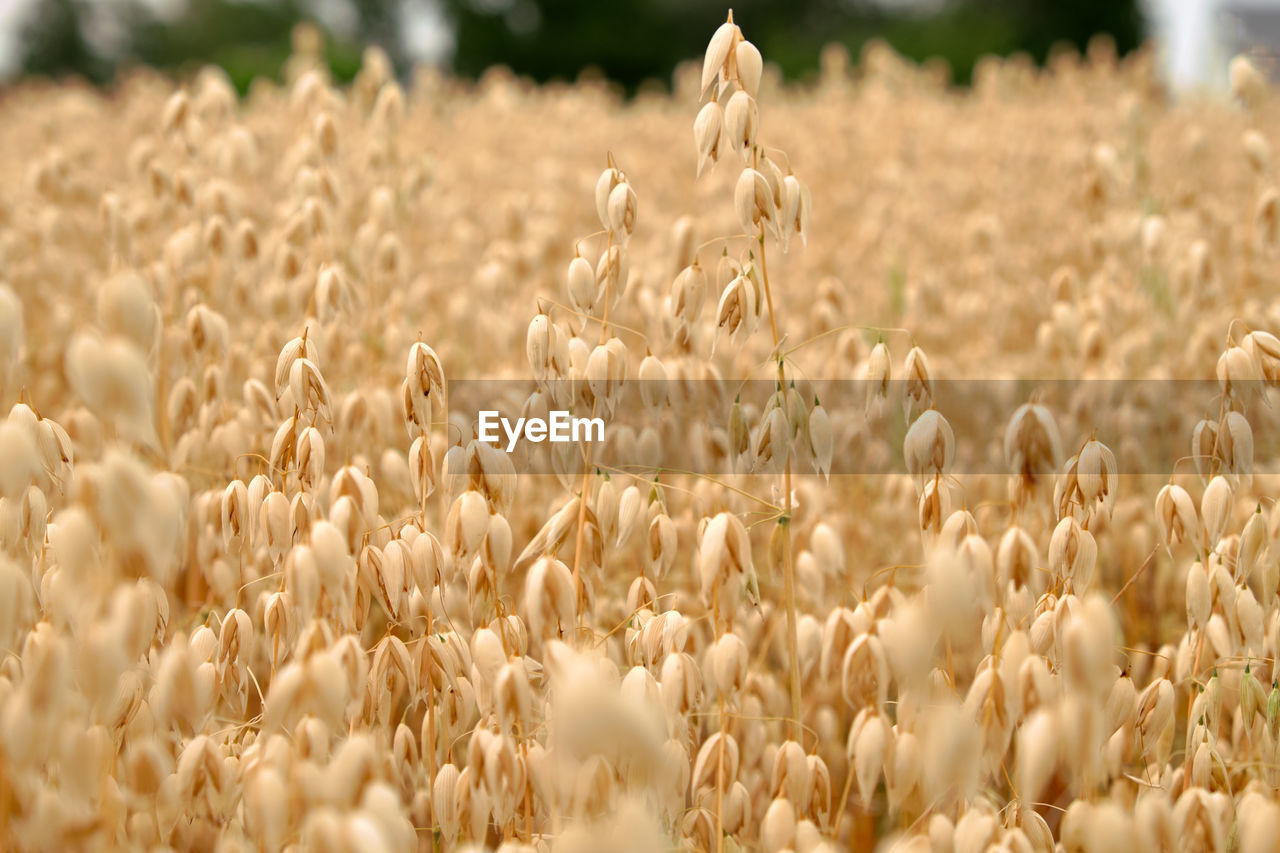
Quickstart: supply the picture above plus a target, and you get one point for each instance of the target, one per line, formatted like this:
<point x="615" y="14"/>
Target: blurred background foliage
<point x="629" y="41"/>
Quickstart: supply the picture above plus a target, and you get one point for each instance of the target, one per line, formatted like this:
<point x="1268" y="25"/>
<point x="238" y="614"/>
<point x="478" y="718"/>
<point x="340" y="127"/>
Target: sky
<point x="1191" y="32"/>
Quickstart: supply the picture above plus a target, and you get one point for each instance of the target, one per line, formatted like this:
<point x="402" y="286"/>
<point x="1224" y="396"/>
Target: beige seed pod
<point x="1096" y="475"/>
<point x="684" y="242"/>
<point x="1215" y="509"/>
<point x="605" y="184"/>
<point x="772" y="443"/>
<point x="581" y="285"/>
<point x="550" y="599"/>
<point x="737" y="311"/>
<point x="1016" y="559"/>
<point x="325" y="134"/>
<point x="1032" y="445"/>
<point x="467" y="523"/>
<point x="444" y="800"/>
<point x="425" y="375"/>
<point x="741" y="121"/>
<point x="794" y="212"/>
<point x="33" y="514"/>
<point x="1259" y="823"/>
<point x="724" y="553"/>
<point x="727" y="269"/>
<point x="630" y="514"/>
<point x="1177" y="516"/>
<point x="208" y="331"/>
<point x="653" y="379"/>
<point x="1037" y="754"/>
<point x="739" y="437"/>
<point x="538" y="345"/>
<point x="774" y="177"/>
<point x="422" y="468"/>
<point x="283" y="445"/>
<point x="613" y="273"/>
<point x="688" y="292"/>
<point x="17" y="460"/>
<point x="235" y="513"/>
<point x="719" y="747"/>
<point x="929" y="446"/>
<point x="959" y="525"/>
<point x="300" y="347"/>
<point x="681" y="686"/>
<point x="869" y="750"/>
<point x="821" y="439"/>
<point x="750" y="66"/>
<point x="1265" y="349"/>
<point x="606" y="372"/>
<point x="879" y="374"/>
<point x="310" y="391"/>
<point x="177" y="109"/>
<point x="1256" y="150"/>
<point x="1249" y="619"/>
<point x="551" y="536"/>
<point x="804" y="213"/>
<point x="789" y="210"/>
<point x="334" y="295"/>
<point x="1253" y="541"/>
<point x="495" y="551"/>
<point x="310" y="457"/>
<point x="1247" y="83"/>
<point x="393" y="576"/>
<point x="1198" y="596"/>
<point x="935" y="504"/>
<point x="355" y="483"/>
<point x="778" y="826"/>
<point x="388" y="258"/>
<point x="1204" y="445"/>
<point x="919" y="389"/>
<point x="273" y="522"/>
<point x="1073" y="553"/>
<point x="113" y="379"/>
<point x="736" y="809"/>
<point x="707" y="134"/>
<point x="125" y="308"/>
<point x="1252" y="698"/>
<point x="660" y="546"/>
<point x="753" y="201"/>
<point x="790" y="777"/>
<point x="513" y="697"/>
<point x="729" y="658"/>
<point x="841" y="628"/>
<point x="1235" y="446"/>
<point x="864" y="672"/>
<point x="1239" y="374"/>
<point x="797" y="414"/>
<point x="722" y="44"/>
<point x="621" y="209"/>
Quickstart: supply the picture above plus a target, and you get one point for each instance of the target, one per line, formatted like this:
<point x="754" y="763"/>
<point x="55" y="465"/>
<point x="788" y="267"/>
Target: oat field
<point x="936" y="508"/>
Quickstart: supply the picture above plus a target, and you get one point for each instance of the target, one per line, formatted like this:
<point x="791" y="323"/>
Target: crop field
<point x="932" y="505"/>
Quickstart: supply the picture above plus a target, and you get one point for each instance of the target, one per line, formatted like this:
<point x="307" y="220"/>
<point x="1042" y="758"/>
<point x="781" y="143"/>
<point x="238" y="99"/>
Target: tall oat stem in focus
<point x="768" y="204"/>
<point x="592" y="383"/>
<point x="604" y="339"/>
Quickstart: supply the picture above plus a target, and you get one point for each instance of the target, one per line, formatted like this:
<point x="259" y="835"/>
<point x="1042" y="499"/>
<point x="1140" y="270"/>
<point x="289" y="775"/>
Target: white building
<point x="1197" y="38"/>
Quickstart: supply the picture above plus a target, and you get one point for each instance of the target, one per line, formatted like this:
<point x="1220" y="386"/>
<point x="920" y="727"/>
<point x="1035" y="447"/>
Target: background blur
<point x="629" y="41"/>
